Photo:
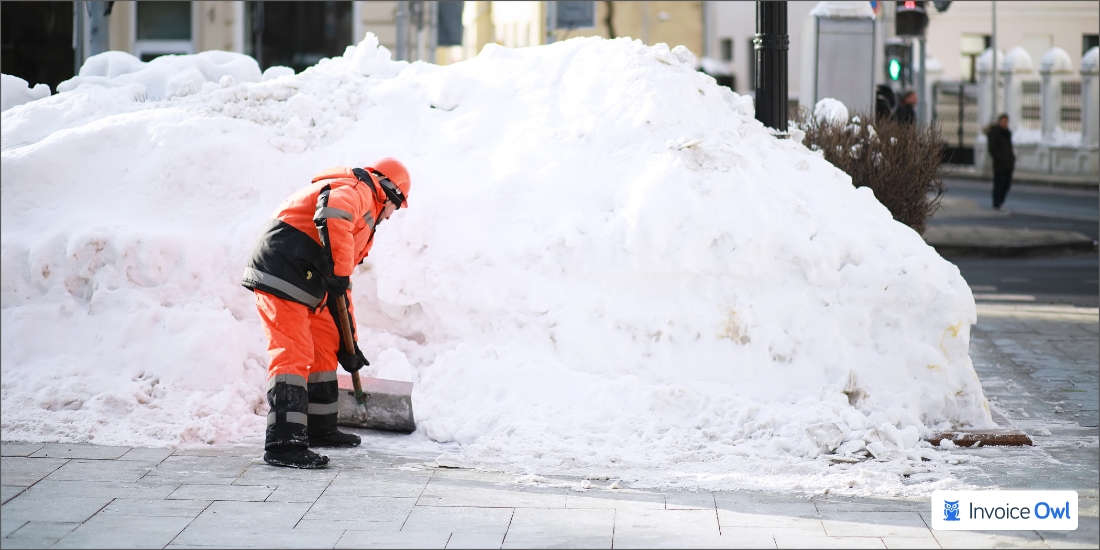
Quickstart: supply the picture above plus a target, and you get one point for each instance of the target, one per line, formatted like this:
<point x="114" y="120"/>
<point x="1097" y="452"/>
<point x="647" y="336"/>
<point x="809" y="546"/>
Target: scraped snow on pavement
<point x="607" y="266"/>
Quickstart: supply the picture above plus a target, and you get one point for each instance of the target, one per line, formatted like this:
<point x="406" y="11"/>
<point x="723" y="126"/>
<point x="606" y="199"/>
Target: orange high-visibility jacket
<point x="288" y="259"/>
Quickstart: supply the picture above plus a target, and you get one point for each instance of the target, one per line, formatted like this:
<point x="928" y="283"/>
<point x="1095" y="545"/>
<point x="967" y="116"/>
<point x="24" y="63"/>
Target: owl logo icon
<point x="951" y="510"/>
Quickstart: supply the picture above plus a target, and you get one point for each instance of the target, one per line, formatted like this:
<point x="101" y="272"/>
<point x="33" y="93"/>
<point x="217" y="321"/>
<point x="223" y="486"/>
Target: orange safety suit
<point x="285" y="271"/>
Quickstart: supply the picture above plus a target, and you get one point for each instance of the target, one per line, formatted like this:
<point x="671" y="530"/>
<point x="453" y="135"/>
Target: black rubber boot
<point x="334" y="438"/>
<point x="287" y="442"/>
<point x="324" y="407"/>
<point x="296" y="458"/>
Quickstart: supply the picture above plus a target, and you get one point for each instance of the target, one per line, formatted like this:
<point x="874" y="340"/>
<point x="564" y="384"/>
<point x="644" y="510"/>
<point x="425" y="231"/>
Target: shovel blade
<point x="389" y="405"/>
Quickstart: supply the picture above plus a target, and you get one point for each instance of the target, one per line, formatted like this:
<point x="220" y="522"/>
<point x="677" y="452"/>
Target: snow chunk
<point x="15" y="91"/>
<point x="166" y="76"/>
<point x="843" y="10"/>
<point x="276" y="71"/>
<point x="831" y="110"/>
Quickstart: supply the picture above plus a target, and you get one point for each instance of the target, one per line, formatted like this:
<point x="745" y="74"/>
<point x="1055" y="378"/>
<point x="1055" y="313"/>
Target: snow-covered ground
<point x="607" y="266"/>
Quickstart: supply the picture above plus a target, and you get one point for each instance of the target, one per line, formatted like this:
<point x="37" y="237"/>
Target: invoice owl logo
<point x="951" y="510"/>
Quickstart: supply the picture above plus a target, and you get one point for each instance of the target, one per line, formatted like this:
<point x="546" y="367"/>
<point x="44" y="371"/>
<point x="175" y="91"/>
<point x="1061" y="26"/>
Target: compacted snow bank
<point x="607" y="266"/>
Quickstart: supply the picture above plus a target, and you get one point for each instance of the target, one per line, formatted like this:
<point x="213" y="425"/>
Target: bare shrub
<point x="899" y="162"/>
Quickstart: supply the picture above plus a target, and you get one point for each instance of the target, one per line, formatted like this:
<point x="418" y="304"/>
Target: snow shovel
<point x="371" y="403"/>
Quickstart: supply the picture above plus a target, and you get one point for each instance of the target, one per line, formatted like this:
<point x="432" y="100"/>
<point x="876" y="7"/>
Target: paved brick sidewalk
<point x="1033" y="360"/>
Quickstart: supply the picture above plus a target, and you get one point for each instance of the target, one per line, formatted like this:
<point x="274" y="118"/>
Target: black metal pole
<point x="771" y="44"/>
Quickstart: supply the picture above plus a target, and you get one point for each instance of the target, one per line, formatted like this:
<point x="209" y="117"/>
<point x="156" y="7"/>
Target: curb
<point x="991" y="241"/>
<point x="1046" y="180"/>
<point x="946" y="249"/>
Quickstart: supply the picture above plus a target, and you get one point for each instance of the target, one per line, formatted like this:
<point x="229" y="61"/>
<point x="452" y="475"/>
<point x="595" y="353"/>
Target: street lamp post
<point x="770" y="44"/>
<point x="402" y="20"/>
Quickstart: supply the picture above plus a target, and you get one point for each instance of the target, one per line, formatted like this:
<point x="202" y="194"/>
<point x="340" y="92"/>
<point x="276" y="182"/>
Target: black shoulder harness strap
<point x="364" y="177"/>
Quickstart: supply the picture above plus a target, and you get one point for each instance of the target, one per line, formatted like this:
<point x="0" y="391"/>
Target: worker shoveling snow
<point x="608" y="266"/>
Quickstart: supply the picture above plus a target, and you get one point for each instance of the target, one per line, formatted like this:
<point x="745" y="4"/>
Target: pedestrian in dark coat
<point x="906" y="113"/>
<point x="999" y="143"/>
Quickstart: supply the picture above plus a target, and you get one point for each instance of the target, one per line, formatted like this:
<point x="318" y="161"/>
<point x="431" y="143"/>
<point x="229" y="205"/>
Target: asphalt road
<point x="1058" y="279"/>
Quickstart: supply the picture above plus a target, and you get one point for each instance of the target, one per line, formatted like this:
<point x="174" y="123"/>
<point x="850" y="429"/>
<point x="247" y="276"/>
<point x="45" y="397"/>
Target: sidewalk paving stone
<point x="439" y="494"/>
<point x="147" y="455"/>
<point x="561" y="528"/>
<point x="38" y="534"/>
<point x="839" y="504"/>
<point x="124" y="532"/>
<point x="24" y="472"/>
<point x="250" y="493"/>
<point x="212" y="470"/>
<point x="114" y="489"/>
<point x="403" y="539"/>
<point x="7" y="526"/>
<point x="249" y="451"/>
<point x="298" y="491"/>
<point x="361" y="509"/>
<point x="265" y="474"/>
<point x="260" y="535"/>
<point x="474" y="540"/>
<point x="19" y="449"/>
<point x="336" y="523"/>
<point x="30" y="507"/>
<point x="155" y="508"/>
<point x="378" y="484"/>
<point x="901" y="543"/>
<point x="783" y="541"/>
<point x="687" y="500"/>
<point x="92" y="452"/>
<point x="736" y="521"/>
<point x="663" y="540"/>
<point x="101" y="470"/>
<point x="875" y="524"/>
<point x="671" y="528"/>
<point x="755" y="503"/>
<point x="1086" y="535"/>
<point x="989" y="539"/>
<point x="618" y="500"/>
<point x="233" y="515"/>
<point x="8" y="492"/>
<point x="459" y="519"/>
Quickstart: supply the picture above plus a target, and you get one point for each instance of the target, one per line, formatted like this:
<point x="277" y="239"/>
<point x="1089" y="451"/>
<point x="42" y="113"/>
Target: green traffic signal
<point x="895" y="69"/>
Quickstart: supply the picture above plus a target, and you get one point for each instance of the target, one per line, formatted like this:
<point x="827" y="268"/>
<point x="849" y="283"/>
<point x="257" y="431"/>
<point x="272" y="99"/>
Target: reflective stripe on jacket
<point x="287" y="259"/>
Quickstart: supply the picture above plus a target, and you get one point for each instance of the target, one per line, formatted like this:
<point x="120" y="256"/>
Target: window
<point x="298" y="34"/>
<point x="450" y="23"/>
<point x="971" y="47"/>
<point x="727" y="49"/>
<point x="162" y="28"/>
<point x="1089" y="41"/>
<point x="576" y="15"/>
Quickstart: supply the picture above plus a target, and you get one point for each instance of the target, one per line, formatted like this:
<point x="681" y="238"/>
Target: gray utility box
<point x="838" y="61"/>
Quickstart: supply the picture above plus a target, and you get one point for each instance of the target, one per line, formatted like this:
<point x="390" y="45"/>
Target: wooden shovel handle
<point x="345" y="323"/>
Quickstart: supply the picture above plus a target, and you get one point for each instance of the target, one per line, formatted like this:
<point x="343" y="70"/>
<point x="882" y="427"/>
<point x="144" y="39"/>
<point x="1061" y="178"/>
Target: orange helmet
<point x="395" y="180"/>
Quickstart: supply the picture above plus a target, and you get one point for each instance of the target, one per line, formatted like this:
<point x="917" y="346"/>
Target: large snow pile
<point x="607" y="265"/>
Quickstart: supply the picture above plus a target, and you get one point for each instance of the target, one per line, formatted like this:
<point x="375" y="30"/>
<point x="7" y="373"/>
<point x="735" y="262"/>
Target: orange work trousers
<point x="301" y="342"/>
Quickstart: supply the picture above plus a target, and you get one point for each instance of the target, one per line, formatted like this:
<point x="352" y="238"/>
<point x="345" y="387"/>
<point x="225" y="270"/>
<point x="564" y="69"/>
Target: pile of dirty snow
<point x="607" y="266"/>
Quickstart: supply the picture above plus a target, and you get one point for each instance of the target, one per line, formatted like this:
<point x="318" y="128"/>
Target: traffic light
<point x="894" y="68"/>
<point x="897" y="62"/>
<point x="911" y="19"/>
